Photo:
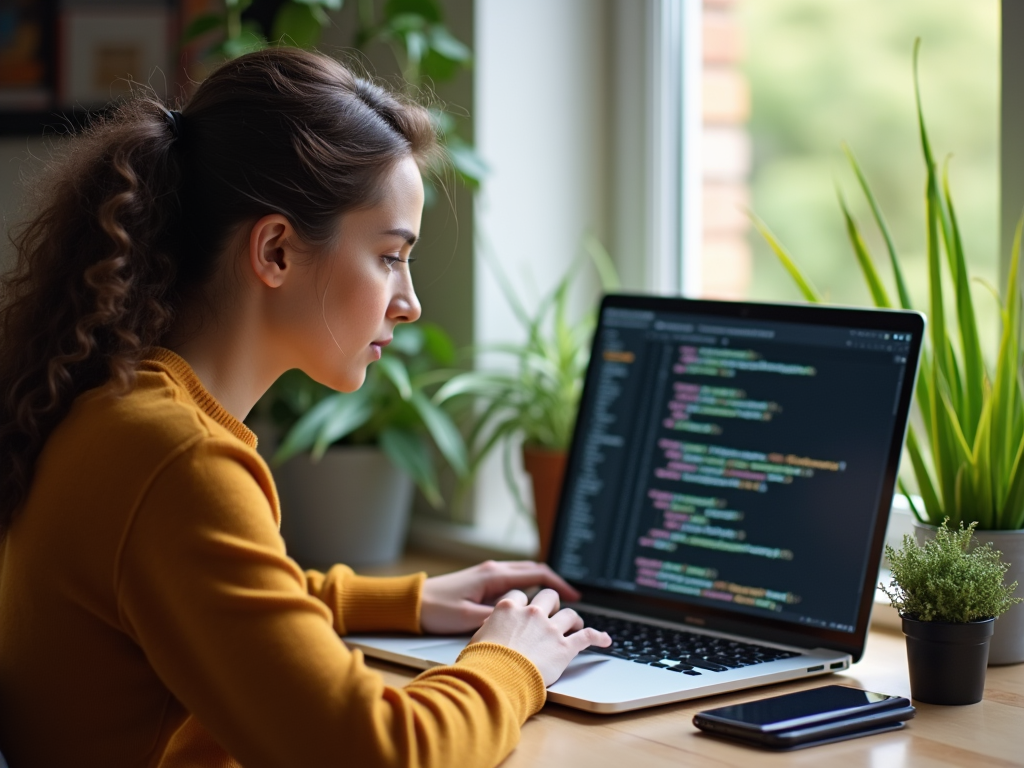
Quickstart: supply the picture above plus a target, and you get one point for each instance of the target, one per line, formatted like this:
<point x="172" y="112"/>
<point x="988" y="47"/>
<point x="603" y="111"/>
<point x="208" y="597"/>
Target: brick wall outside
<point x="726" y="155"/>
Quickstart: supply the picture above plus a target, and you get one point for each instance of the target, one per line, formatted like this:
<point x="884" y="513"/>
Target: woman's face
<point x="360" y="288"/>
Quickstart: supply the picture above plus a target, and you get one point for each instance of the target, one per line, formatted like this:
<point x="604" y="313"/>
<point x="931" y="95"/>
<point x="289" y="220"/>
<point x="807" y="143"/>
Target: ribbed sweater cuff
<point x="376" y="604"/>
<point x="516" y="676"/>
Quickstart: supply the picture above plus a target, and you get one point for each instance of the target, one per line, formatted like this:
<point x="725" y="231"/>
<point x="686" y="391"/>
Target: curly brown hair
<point x="132" y="215"/>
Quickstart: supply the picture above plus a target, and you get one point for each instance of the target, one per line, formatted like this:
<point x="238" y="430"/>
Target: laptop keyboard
<point x="675" y="650"/>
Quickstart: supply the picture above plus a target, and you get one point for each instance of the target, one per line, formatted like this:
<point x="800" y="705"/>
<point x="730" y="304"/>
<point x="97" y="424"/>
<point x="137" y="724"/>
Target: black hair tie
<point x="175" y="120"/>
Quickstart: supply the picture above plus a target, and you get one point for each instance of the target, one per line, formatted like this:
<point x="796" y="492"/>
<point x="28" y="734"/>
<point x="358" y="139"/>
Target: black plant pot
<point x="947" y="661"/>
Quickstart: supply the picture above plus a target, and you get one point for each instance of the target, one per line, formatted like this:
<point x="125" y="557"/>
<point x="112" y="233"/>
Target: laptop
<point x="726" y="497"/>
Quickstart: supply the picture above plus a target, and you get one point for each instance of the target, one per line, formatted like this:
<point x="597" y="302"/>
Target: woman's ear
<point x="272" y="250"/>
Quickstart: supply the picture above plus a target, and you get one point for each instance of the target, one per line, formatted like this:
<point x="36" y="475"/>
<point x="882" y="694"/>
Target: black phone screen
<point x="793" y="710"/>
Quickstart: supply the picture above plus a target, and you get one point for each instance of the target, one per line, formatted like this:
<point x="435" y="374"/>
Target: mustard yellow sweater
<point x="149" y="615"/>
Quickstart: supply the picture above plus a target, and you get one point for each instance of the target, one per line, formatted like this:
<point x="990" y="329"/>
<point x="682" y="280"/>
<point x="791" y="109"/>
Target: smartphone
<point x="815" y="716"/>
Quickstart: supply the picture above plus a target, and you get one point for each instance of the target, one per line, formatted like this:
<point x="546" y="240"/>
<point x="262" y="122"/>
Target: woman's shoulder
<point x="156" y="420"/>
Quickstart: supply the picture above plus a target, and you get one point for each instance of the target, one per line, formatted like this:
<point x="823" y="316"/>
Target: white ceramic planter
<point x="1007" y="645"/>
<point x="351" y="507"/>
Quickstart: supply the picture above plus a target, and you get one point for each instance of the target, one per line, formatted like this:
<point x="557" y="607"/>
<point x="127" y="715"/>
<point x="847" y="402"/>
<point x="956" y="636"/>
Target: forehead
<point x="400" y="205"/>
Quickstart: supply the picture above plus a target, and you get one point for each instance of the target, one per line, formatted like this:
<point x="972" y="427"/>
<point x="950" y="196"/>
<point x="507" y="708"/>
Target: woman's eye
<point x="390" y="261"/>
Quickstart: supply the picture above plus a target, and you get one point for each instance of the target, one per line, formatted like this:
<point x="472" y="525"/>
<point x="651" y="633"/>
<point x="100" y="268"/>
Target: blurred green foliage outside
<point x="826" y="71"/>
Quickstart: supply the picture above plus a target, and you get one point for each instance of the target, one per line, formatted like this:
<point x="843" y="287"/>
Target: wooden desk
<point x="989" y="734"/>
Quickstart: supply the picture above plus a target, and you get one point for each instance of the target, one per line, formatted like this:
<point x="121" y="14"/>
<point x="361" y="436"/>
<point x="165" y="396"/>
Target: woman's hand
<point x="461" y="601"/>
<point x="539" y="631"/>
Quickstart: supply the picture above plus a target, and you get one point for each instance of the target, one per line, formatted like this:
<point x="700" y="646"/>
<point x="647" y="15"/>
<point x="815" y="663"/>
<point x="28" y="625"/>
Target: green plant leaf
<point x="409" y="452"/>
<point x="1006" y="394"/>
<point x="443" y="431"/>
<point x="603" y="263"/>
<point x="396" y="372"/>
<point x="974" y="366"/>
<point x="901" y="285"/>
<point x="330" y="5"/>
<point x="952" y="452"/>
<point x="407" y="339"/>
<point x="445" y="44"/>
<point x="466" y="160"/>
<point x="303" y="434"/>
<point x="932" y="504"/>
<point x="203" y="24"/>
<point x="416" y="46"/>
<point x="807" y="288"/>
<point x="867" y="265"/>
<point x="247" y="42"/>
<point x="298" y="24"/>
<point x="438" y="344"/>
<point x="429" y="10"/>
<point x="351" y="411"/>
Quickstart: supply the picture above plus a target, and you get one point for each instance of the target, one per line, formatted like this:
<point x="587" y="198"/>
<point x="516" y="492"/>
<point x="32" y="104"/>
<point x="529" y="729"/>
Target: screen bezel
<point x="777" y="630"/>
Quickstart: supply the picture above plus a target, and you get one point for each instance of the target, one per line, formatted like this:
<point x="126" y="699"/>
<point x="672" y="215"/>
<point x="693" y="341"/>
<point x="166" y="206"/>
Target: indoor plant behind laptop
<point x="969" y="461"/>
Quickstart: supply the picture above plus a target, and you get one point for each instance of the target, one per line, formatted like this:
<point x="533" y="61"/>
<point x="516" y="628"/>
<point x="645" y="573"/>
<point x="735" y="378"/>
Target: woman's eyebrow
<point x="410" y="238"/>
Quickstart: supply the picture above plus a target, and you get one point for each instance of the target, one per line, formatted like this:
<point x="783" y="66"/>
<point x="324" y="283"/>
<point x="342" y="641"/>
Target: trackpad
<point x="441" y="653"/>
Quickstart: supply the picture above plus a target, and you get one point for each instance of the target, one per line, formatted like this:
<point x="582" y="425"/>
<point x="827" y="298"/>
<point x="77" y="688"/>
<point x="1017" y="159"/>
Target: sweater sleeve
<point x="366" y="603"/>
<point x="230" y="626"/>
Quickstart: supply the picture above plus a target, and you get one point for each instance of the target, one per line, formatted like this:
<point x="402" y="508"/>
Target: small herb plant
<point x="396" y="409"/>
<point x="947" y="579"/>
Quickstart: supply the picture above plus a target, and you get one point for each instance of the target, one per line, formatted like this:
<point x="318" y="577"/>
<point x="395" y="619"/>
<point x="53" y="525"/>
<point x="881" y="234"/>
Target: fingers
<point x="567" y="620"/>
<point x="516" y="597"/>
<point x="547" y="601"/>
<point x="520" y="574"/>
<point x="587" y="637"/>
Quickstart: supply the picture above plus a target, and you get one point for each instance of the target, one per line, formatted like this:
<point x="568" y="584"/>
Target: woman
<point x="177" y="264"/>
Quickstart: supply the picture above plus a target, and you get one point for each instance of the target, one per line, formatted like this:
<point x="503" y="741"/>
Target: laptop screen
<point x="736" y="456"/>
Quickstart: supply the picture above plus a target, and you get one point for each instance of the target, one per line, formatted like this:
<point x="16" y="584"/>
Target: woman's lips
<point x="377" y="346"/>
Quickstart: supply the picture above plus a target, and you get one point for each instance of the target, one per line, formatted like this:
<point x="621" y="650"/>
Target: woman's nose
<point x="405" y="306"/>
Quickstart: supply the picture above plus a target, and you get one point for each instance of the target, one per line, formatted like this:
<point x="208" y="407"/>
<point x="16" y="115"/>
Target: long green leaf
<point x="910" y="500"/>
<point x="901" y="284"/>
<point x="1012" y="517"/>
<point x="926" y="487"/>
<point x="443" y="431"/>
<point x="983" y="480"/>
<point x="1006" y="392"/>
<point x="804" y="283"/>
<point x="351" y="411"/>
<point x="867" y="264"/>
<point x="952" y="453"/>
<point x="974" y="366"/>
<point x="410" y="452"/>
<point x="397" y="374"/>
<point x="303" y="434"/>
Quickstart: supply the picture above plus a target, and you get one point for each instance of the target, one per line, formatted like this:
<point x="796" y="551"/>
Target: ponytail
<point x="131" y="216"/>
<point x="88" y="295"/>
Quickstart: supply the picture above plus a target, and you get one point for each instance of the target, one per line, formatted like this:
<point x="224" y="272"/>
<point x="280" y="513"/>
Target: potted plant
<point x="966" y="443"/>
<point x="535" y="398"/>
<point x="949" y="594"/>
<point x="348" y="460"/>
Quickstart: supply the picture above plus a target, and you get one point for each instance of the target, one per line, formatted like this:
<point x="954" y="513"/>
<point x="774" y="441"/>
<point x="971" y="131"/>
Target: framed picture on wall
<point x="26" y="56"/>
<point x="107" y="50"/>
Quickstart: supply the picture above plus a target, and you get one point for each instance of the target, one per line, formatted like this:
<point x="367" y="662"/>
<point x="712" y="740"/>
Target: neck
<point x="230" y="357"/>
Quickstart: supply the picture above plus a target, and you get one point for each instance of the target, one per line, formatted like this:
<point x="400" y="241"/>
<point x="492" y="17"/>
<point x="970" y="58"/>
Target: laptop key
<point x="705" y="664"/>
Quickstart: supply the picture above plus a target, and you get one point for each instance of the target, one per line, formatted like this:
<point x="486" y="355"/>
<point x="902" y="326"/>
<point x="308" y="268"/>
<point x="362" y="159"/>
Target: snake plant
<point x="966" y="443"/>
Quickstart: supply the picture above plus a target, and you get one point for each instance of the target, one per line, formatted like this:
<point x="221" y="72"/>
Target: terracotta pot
<point x="546" y="469"/>
<point x="1007" y="645"/>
